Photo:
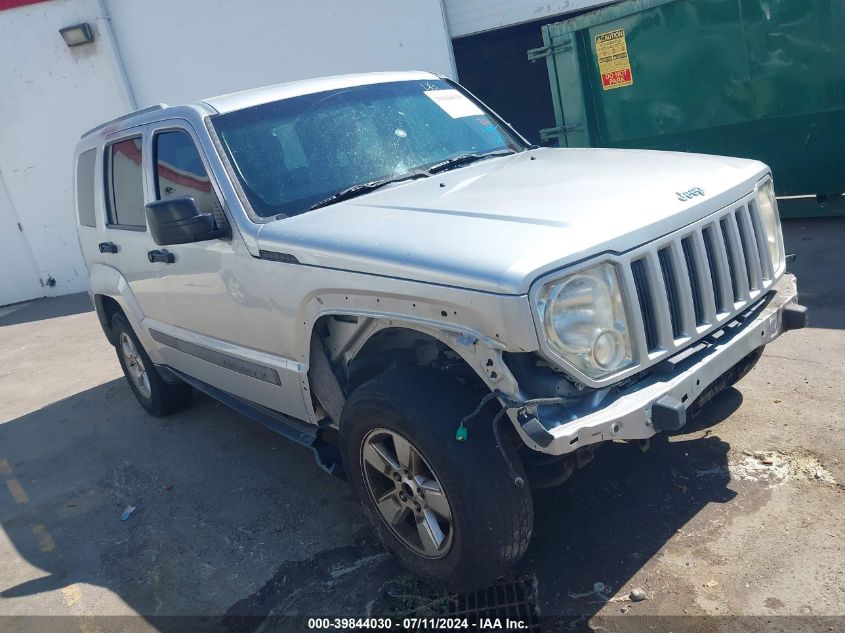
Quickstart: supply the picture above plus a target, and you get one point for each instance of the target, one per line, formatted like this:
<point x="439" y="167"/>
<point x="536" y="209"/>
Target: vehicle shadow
<point x="232" y="523"/>
<point x="605" y="525"/>
<point x="615" y="515"/>
<point x="219" y="502"/>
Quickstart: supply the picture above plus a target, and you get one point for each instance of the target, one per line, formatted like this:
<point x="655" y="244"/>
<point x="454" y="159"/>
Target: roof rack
<point x="152" y="108"/>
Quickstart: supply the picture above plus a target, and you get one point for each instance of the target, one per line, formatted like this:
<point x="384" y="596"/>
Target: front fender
<point x="477" y="326"/>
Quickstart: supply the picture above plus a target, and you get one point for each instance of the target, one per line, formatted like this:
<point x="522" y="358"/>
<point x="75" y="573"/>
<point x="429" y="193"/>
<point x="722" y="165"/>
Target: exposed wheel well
<point x="357" y="350"/>
<point x="401" y="347"/>
<point x="347" y="352"/>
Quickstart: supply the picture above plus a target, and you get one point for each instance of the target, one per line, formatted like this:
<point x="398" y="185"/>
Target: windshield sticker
<point x="612" y="55"/>
<point x="453" y="103"/>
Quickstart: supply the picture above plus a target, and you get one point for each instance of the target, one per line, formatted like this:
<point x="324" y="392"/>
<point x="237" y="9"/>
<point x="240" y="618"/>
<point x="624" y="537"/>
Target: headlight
<point x="768" y="209"/>
<point x="584" y="320"/>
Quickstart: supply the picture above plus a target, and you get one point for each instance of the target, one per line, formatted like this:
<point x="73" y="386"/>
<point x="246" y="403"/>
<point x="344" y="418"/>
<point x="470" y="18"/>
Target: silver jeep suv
<point x="377" y="266"/>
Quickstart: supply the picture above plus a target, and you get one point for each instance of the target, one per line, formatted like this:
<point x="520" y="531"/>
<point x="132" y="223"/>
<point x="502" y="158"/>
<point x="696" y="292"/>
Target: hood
<point x="498" y="224"/>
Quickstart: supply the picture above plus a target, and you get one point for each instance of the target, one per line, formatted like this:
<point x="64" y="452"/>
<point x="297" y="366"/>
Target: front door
<point x="222" y="329"/>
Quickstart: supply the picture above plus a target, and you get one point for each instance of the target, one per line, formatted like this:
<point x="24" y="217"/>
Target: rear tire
<point x="471" y="522"/>
<point x="156" y="396"/>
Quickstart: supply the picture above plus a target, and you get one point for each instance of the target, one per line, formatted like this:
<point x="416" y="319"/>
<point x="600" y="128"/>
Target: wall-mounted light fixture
<point x="77" y="34"/>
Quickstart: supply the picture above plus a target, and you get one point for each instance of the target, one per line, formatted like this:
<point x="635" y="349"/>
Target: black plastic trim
<point x="668" y="414"/>
<point x="273" y="256"/>
<point x="245" y="367"/>
<point x="794" y="317"/>
<point x="291" y="428"/>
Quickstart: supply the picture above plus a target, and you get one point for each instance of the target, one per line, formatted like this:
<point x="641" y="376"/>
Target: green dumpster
<point x="761" y="79"/>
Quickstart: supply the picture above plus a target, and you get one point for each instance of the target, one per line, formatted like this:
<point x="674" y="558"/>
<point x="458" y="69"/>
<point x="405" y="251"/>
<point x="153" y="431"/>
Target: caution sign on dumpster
<point x="614" y="65"/>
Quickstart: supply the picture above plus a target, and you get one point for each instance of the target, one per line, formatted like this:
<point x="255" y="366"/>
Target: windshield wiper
<point x="464" y="159"/>
<point x="365" y="187"/>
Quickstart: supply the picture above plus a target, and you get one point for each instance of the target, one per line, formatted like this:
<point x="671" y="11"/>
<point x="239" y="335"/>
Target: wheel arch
<point x="348" y="349"/>
<point x="106" y="307"/>
<point x="111" y="293"/>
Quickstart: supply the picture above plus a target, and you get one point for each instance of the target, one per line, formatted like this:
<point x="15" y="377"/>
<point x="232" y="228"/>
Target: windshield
<point x="296" y="153"/>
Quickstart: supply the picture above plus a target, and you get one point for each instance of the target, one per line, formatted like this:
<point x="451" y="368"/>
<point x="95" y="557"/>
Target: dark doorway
<point x="494" y="66"/>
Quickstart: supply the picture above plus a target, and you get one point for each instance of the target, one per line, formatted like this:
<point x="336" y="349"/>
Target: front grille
<point x="645" y="301"/>
<point x="689" y="259"/>
<point x="718" y="274"/>
<point x="729" y="251"/>
<point x="673" y="292"/>
<point x="690" y="282"/>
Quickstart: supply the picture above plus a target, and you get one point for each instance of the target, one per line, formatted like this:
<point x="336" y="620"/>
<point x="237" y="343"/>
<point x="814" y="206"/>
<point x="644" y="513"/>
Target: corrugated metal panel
<point x="11" y="4"/>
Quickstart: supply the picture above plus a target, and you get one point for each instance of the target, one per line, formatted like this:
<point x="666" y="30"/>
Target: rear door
<point x="125" y="241"/>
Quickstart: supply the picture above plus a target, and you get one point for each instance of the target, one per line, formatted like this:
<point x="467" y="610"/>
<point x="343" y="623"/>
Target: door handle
<point x="108" y="247"/>
<point x="163" y="256"/>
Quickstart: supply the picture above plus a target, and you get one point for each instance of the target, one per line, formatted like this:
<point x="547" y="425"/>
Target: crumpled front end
<point x="660" y="398"/>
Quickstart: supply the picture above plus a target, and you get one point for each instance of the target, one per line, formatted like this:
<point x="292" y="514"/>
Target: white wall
<point x="50" y="94"/>
<point x="188" y="49"/>
<point x="173" y="51"/>
<point x="473" y="16"/>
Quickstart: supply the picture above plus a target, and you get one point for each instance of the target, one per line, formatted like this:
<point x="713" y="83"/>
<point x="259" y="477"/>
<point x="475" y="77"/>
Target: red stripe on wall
<point x="11" y="4"/>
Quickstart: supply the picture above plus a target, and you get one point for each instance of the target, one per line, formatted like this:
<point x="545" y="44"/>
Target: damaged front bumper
<point x="660" y="400"/>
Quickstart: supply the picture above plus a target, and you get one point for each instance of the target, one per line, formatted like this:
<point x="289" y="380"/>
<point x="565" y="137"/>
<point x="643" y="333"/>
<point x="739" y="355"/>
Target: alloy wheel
<point x="134" y="365"/>
<point x="407" y="493"/>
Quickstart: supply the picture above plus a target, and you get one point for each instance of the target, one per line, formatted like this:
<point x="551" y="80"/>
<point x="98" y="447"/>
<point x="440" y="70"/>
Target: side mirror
<point x="179" y="221"/>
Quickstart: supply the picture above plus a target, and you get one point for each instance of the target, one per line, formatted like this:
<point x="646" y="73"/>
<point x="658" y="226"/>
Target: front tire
<point x="448" y="511"/>
<point x="156" y="396"/>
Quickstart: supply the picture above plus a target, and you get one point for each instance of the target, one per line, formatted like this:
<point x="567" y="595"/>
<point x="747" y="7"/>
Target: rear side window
<point x="85" y="188"/>
<point x="125" y="185"/>
<point x="179" y="172"/>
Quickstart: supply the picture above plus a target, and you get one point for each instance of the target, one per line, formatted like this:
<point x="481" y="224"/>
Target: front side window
<point x="125" y="184"/>
<point x="179" y="171"/>
<point x="292" y="154"/>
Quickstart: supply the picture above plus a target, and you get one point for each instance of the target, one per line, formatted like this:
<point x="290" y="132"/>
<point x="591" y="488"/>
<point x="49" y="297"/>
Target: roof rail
<point x="152" y="108"/>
